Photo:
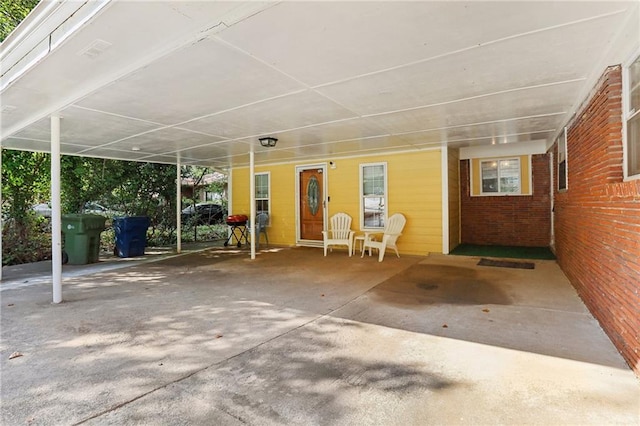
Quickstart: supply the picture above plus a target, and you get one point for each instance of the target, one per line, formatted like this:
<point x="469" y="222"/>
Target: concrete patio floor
<point x="297" y="338"/>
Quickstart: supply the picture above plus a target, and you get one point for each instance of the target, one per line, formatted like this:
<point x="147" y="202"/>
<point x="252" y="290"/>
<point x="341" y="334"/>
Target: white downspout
<point x="552" y="241"/>
<point x="252" y="202"/>
<point x="445" y="197"/>
<point x="56" y="216"/>
<point x="178" y="207"/>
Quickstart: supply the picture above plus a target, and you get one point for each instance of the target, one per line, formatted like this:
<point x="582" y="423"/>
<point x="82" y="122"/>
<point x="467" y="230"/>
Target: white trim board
<point x="522" y="148"/>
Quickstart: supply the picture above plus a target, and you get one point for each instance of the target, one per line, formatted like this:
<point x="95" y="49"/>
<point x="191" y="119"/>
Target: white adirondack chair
<point x="339" y="233"/>
<point x="392" y="231"/>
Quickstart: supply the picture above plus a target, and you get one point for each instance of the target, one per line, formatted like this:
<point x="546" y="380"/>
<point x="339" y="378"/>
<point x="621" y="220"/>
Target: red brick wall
<point x="522" y="220"/>
<point x="597" y="220"/>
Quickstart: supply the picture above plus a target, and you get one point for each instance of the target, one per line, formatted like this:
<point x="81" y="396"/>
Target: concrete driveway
<point x="213" y="338"/>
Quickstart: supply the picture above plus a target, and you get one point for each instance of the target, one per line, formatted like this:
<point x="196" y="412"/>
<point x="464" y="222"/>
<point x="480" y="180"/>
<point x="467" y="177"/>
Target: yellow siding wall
<point x="525" y="174"/>
<point x="282" y="229"/>
<point x="414" y="186"/>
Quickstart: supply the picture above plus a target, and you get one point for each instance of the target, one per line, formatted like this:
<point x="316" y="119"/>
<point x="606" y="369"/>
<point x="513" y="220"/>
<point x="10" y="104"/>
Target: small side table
<point x="358" y="239"/>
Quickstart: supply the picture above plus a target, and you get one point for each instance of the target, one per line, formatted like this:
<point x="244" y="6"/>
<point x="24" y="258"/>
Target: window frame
<point x="628" y="115"/>
<point x="267" y="198"/>
<point x="562" y="142"/>
<point x="498" y="160"/>
<point x="385" y="212"/>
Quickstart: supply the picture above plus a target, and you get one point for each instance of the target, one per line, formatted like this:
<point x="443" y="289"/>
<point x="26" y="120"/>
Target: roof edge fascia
<point x="48" y="26"/>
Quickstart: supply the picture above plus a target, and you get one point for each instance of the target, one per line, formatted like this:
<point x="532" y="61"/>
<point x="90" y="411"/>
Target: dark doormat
<point x="506" y="264"/>
<point x="513" y="252"/>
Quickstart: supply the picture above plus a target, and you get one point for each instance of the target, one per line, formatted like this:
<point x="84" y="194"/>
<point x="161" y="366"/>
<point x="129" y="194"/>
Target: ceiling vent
<point x="95" y="49"/>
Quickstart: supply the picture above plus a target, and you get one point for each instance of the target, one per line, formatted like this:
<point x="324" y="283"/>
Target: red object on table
<point x="237" y="219"/>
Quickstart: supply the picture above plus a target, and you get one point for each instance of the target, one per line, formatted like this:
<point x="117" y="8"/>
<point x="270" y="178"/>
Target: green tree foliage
<point x="83" y="179"/>
<point x="25" y="180"/>
<point x="12" y="12"/>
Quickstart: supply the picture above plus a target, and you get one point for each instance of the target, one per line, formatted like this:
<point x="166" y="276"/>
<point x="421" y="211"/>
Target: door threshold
<point x="310" y="243"/>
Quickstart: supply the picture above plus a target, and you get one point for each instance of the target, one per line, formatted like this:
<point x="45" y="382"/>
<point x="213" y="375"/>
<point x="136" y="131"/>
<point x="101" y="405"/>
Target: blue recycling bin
<point x="131" y="235"/>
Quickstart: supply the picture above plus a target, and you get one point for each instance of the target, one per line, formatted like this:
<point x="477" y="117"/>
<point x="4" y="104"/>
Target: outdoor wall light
<point x="268" y="142"/>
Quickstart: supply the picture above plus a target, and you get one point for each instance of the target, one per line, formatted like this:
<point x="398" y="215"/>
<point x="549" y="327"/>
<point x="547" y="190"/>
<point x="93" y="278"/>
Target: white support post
<point x="178" y="207"/>
<point x="56" y="217"/>
<point x="252" y="202"/>
<point x="1" y="221"/>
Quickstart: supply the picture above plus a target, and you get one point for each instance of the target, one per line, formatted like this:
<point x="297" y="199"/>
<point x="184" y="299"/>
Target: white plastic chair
<point x="392" y="231"/>
<point x="340" y="233"/>
<point x="261" y="221"/>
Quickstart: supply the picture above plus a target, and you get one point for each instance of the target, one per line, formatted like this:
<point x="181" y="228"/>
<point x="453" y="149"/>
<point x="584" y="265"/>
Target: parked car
<point x="204" y="213"/>
<point x="42" y="209"/>
<point x="95" y="208"/>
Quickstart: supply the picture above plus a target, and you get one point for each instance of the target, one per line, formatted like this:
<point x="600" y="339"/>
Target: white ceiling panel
<point x="72" y="149"/>
<point x="25" y="144"/>
<point x="504" y="106"/>
<point x="551" y="59"/>
<point x="115" y="154"/>
<point x="40" y="130"/>
<point x="201" y="79"/>
<point x="78" y="125"/>
<point x="296" y="110"/>
<point x="165" y="159"/>
<point x="84" y="127"/>
<point x="164" y="141"/>
<point x="351" y="147"/>
<point x="495" y="132"/>
<point x="332" y="132"/>
<point x="22" y="144"/>
<point x="18" y="104"/>
<point x="219" y="150"/>
<point x="242" y="160"/>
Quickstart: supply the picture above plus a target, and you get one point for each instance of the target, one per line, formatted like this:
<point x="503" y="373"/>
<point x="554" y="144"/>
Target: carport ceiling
<point x="202" y="81"/>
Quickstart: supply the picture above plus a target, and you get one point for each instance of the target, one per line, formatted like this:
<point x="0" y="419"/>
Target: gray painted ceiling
<point x="202" y="81"/>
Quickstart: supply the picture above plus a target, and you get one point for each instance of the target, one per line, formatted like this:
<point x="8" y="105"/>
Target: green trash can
<point x="82" y="237"/>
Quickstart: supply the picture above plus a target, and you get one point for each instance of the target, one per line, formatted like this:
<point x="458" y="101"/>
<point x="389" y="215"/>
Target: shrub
<point x="26" y="240"/>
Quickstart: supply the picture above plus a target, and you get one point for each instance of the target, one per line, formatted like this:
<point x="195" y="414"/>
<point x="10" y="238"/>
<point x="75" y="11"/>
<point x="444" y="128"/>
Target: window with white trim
<point x="500" y="176"/>
<point x="632" y="117"/>
<point x="562" y="161"/>
<point x="373" y="195"/>
<point x="263" y="192"/>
